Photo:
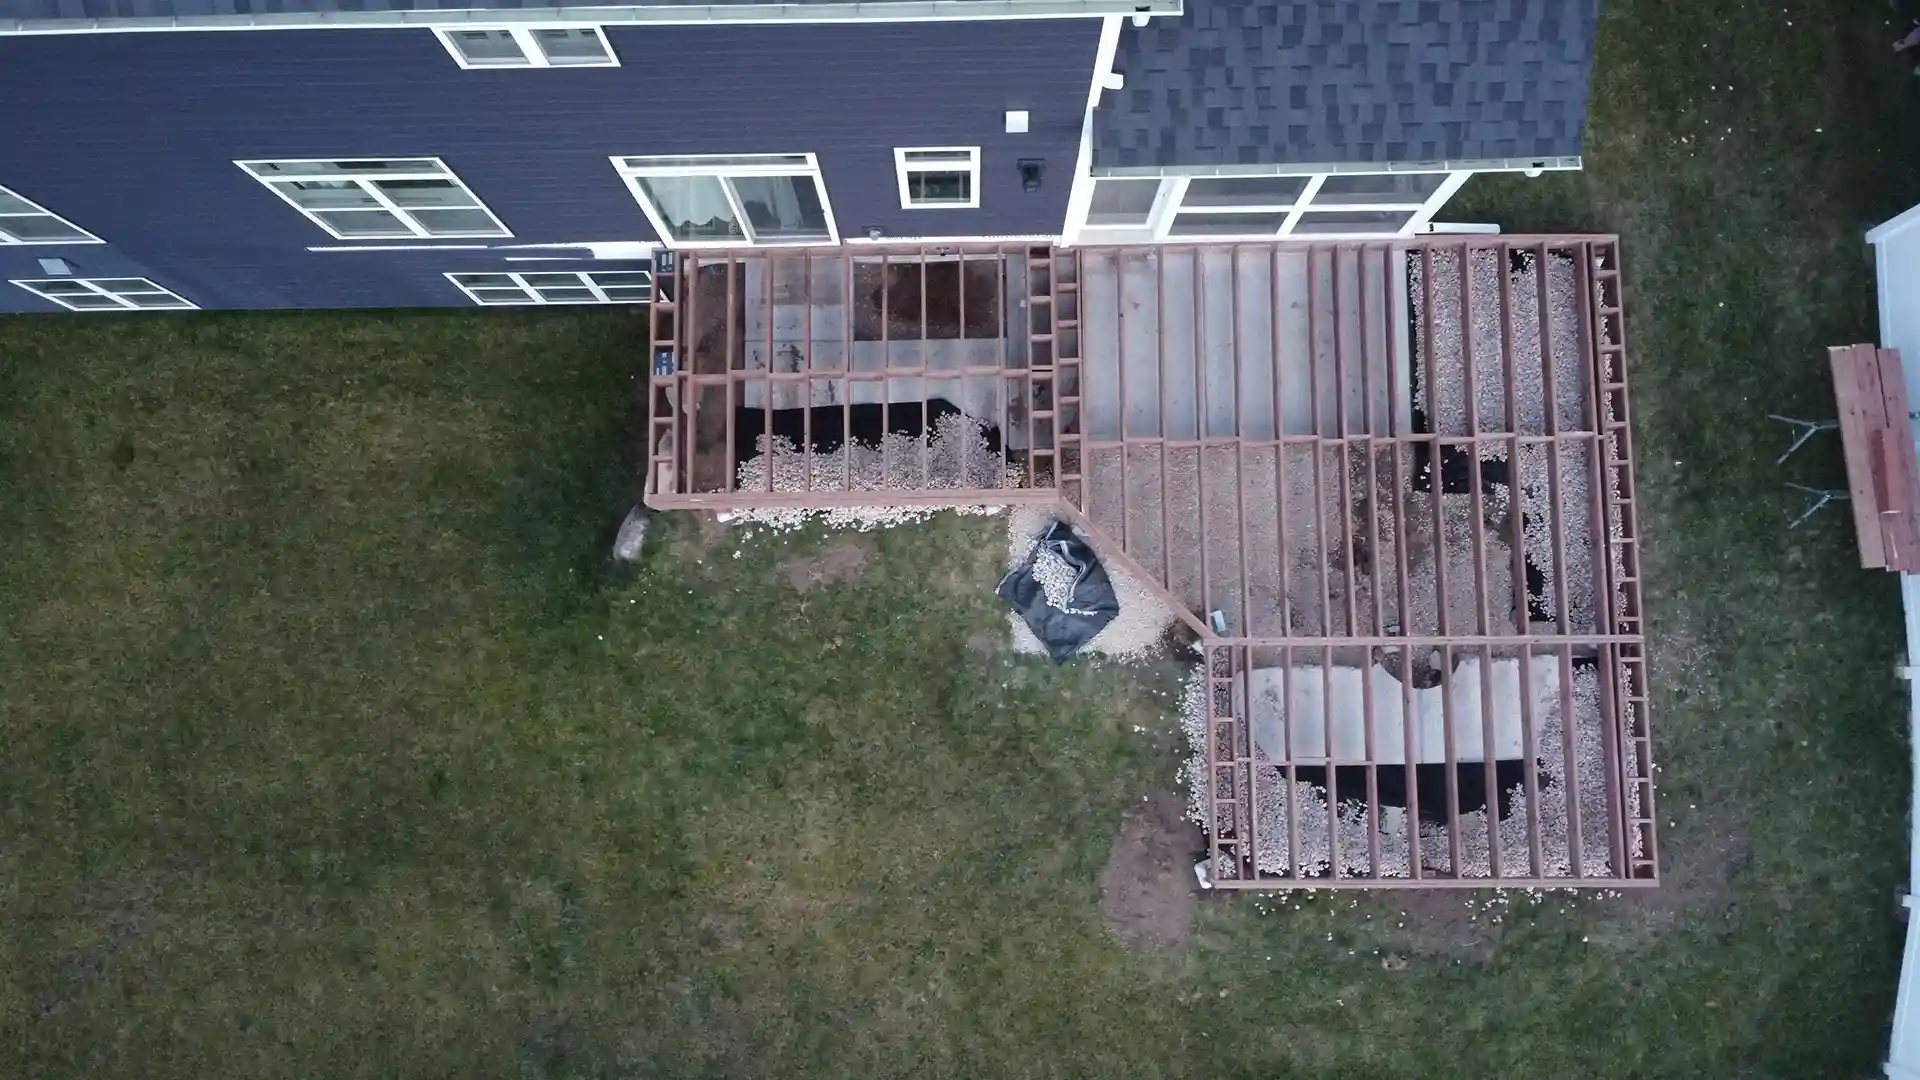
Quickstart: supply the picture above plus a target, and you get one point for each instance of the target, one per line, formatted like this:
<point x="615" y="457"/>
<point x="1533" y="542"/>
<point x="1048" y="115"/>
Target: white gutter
<point x="635" y="14"/>
<point x="1466" y="165"/>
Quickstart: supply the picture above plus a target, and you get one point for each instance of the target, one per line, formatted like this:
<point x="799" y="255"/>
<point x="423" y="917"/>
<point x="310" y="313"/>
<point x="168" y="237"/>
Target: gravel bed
<point x="1557" y="810"/>
<point x="1313" y="841"/>
<point x="956" y="456"/>
<point x="1440" y="381"/>
<point x="1444" y="389"/>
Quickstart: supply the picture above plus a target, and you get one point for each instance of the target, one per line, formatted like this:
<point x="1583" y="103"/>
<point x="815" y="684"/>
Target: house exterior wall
<point x="133" y="137"/>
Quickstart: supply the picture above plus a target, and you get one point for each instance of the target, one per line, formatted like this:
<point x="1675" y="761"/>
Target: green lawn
<point x="334" y="748"/>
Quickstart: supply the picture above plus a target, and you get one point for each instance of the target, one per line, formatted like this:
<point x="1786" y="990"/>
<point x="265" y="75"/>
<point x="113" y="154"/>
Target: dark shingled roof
<point x="168" y="9"/>
<point x="1266" y="82"/>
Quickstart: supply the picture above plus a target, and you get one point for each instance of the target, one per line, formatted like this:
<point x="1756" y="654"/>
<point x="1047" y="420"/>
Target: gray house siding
<point x="133" y="137"/>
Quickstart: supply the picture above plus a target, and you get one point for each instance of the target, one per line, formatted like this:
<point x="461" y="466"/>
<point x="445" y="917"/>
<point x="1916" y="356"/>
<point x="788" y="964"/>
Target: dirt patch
<point x="1702" y="873"/>
<point x="1440" y="922"/>
<point x="1685" y="668"/>
<point x="694" y="535"/>
<point x="1704" y="862"/>
<point x="1699" y="880"/>
<point x="844" y="561"/>
<point x="974" y="570"/>
<point x="927" y="301"/>
<point x="725" y="930"/>
<point x="1148" y="890"/>
<point x="982" y="643"/>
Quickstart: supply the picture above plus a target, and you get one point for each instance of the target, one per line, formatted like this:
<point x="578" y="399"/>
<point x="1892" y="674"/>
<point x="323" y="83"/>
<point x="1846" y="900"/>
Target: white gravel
<point x="1057" y="579"/>
<point x="1440" y="380"/>
<point x="1589" y="802"/>
<point x="856" y="518"/>
<point x="1313" y="842"/>
<point x="1537" y="496"/>
<point x="956" y="456"/>
<point x="1193" y="721"/>
<point x="1576" y="475"/>
<point x="1445" y="391"/>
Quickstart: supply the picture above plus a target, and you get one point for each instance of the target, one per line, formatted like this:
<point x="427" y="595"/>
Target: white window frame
<point x="725" y="167"/>
<point x="413" y="229"/>
<point x="1170" y="202"/>
<point x="533" y="297"/>
<point x="119" y="298"/>
<point x="904" y="168"/>
<point x="9" y="240"/>
<point x="1161" y="197"/>
<point x="530" y="50"/>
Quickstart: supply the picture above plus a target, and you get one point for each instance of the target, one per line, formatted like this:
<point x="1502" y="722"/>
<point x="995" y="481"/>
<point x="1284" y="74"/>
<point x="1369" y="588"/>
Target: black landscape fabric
<point x="1092" y="606"/>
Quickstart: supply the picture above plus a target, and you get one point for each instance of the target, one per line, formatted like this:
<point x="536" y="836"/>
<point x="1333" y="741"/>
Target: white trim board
<point x="1294" y="216"/>
<point x="647" y="15"/>
<point x="1080" y="198"/>
<point x="397" y="247"/>
<point x="1335" y="168"/>
<point x="1005" y="238"/>
<point x="642" y="250"/>
<point x="1448" y="189"/>
<point x="630" y="250"/>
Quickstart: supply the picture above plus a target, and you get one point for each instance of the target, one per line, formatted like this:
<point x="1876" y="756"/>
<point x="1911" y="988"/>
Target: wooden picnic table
<point x="1883" y="476"/>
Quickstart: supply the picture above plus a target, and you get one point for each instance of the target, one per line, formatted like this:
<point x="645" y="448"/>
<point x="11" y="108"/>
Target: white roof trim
<point x="650" y="14"/>
<point x="1080" y="196"/>
<point x="1545" y="164"/>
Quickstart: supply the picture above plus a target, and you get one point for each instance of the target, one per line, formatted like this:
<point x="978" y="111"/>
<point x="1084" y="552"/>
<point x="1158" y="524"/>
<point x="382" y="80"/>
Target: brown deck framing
<point x="829" y="345"/>
<point x="1366" y="466"/>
